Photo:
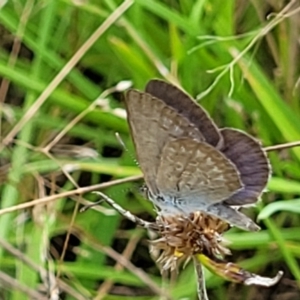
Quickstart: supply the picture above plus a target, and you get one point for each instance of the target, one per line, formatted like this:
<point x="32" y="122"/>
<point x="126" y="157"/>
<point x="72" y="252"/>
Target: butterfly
<point x="189" y="164"/>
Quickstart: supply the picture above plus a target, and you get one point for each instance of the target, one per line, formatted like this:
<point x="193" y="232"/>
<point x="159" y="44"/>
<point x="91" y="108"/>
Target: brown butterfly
<point x="189" y="164"/>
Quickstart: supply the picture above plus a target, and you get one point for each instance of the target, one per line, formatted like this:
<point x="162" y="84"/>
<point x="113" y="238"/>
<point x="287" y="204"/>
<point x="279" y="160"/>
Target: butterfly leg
<point x="127" y="214"/>
<point x="232" y="216"/>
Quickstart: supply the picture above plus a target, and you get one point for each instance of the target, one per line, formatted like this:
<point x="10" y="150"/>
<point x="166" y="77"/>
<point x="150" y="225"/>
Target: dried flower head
<point x="199" y="236"/>
<point x="182" y="237"/>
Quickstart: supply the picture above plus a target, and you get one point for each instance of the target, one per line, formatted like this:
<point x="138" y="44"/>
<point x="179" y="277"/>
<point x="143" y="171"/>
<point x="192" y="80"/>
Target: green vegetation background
<point x="58" y="57"/>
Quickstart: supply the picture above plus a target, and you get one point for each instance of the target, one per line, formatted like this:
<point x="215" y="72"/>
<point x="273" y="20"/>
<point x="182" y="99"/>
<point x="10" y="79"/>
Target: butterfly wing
<point x="153" y="124"/>
<point x="194" y="176"/>
<point x="196" y="173"/>
<point x="251" y="160"/>
<point x="184" y="105"/>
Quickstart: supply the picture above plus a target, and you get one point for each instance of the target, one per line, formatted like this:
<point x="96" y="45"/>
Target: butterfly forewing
<point x="153" y="124"/>
<point x="196" y="172"/>
<point x="185" y="106"/>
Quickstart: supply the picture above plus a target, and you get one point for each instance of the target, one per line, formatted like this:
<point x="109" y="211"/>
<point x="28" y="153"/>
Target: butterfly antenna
<point x="125" y="148"/>
<point x="143" y="189"/>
